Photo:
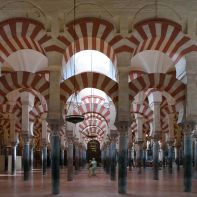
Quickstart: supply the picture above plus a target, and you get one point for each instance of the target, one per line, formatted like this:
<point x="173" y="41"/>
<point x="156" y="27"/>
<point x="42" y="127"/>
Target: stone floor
<point x="99" y="186"/>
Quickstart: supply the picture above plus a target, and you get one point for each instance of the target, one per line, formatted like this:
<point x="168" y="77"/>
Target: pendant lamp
<point x="74" y="118"/>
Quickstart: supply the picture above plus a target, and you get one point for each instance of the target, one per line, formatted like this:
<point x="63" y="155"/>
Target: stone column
<point x="26" y="157"/>
<point x="122" y="156"/>
<point x="49" y="156"/>
<point x="31" y="154"/>
<point x="178" y="143"/>
<point x="170" y="141"/>
<point x="104" y="157"/>
<point x="129" y="157"/>
<point x="55" y="156"/>
<point x="80" y="157"/>
<point x="62" y="156"/>
<point x="76" y="158"/>
<point x="27" y="100"/>
<point x="6" y="153"/>
<point x="177" y="155"/>
<point x="187" y="129"/>
<point x="55" y="121"/>
<point x="13" y="168"/>
<point x="44" y="157"/>
<point x="195" y="159"/>
<point x="44" y="143"/>
<point x="195" y="154"/>
<point x="108" y="158"/>
<point x="113" y="155"/>
<point x="170" y="156"/>
<point x="155" y="98"/>
<point x="13" y="139"/>
<point x="70" y="171"/>
<point x="139" y="140"/>
<point x="130" y="145"/>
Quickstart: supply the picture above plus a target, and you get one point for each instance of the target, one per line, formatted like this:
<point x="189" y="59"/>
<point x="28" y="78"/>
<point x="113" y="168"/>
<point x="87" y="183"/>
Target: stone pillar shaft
<point x="113" y="161"/>
<point x="195" y="158"/>
<point x="122" y="157"/>
<point x="44" y="159"/>
<point x="70" y="161"/>
<point x="26" y="160"/>
<point x="13" y="169"/>
<point x="55" y="157"/>
<point x="188" y="162"/>
<point x="62" y="157"/>
<point x="155" y="159"/>
<point x="76" y="159"/>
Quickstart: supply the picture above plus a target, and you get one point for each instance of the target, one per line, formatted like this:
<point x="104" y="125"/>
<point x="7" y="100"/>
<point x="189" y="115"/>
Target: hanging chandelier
<point x="74" y="118"/>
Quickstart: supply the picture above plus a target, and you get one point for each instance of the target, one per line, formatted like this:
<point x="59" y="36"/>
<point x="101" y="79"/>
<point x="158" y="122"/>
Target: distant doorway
<point x="93" y="150"/>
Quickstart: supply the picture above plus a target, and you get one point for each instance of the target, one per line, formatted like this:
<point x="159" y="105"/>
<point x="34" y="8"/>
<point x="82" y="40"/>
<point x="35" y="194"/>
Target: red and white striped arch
<point x="88" y="80"/>
<point x="22" y="33"/>
<point x="95" y="108"/>
<point x="159" y="81"/>
<point x="95" y="116"/>
<point x="162" y="35"/>
<point x="16" y="80"/>
<point x="93" y="122"/>
<point x="135" y="74"/>
<point x="93" y="129"/>
<point x="91" y="33"/>
<point x="142" y="109"/>
<point x="93" y="99"/>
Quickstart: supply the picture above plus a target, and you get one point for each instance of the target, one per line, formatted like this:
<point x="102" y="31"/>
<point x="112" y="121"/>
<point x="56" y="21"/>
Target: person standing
<point x="90" y="167"/>
<point x="94" y="165"/>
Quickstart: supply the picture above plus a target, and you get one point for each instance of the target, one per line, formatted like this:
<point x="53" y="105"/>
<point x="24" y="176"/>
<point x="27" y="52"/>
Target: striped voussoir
<point x="90" y="33"/>
<point x="16" y="80"/>
<point x="89" y="80"/>
<point x="161" y="35"/>
<point x="93" y="122"/>
<point x="22" y="33"/>
<point x="94" y="108"/>
<point x="158" y="81"/>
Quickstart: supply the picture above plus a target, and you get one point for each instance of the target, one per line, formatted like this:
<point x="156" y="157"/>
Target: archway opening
<point x="94" y="151"/>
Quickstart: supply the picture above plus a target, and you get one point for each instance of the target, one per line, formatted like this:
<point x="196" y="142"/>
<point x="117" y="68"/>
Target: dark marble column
<point x="122" y="157"/>
<point x="62" y="157"/>
<point x="155" y="159"/>
<point x="129" y="159"/>
<point x="55" y="158"/>
<point x="144" y="157"/>
<point x="177" y="156"/>
<point x="48" y="158"/>
<point x="108" y="159"/>
<point x="76" y="159"/>
<point x="170" y="156"/>
<point x="70" y="160"/>
<point x="187" y="158"/>
<point x="13" y="169"/>
<point x="104" y="158"/>
<point x="31" y="156"/>
<point x="26" y="158"/>
<point x="113" y="160"/>
<point x="44" y="158"/>
<point x="139" y="153"/>
<point x="6" y="152"/>
<point x="195" y="157"/>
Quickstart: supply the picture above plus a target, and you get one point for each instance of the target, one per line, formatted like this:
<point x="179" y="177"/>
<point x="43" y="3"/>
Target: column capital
<point x="54" y="124"/>
<point x="13" y="144"/>
<point x="44" y="142"/>
<point x="26" y="137"/>
<point x="187" y="127"/>
<point x="123" y="126"/>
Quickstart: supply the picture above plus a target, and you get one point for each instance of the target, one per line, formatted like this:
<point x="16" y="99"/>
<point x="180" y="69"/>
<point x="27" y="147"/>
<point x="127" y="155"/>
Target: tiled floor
<point x="99" y="186"/>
